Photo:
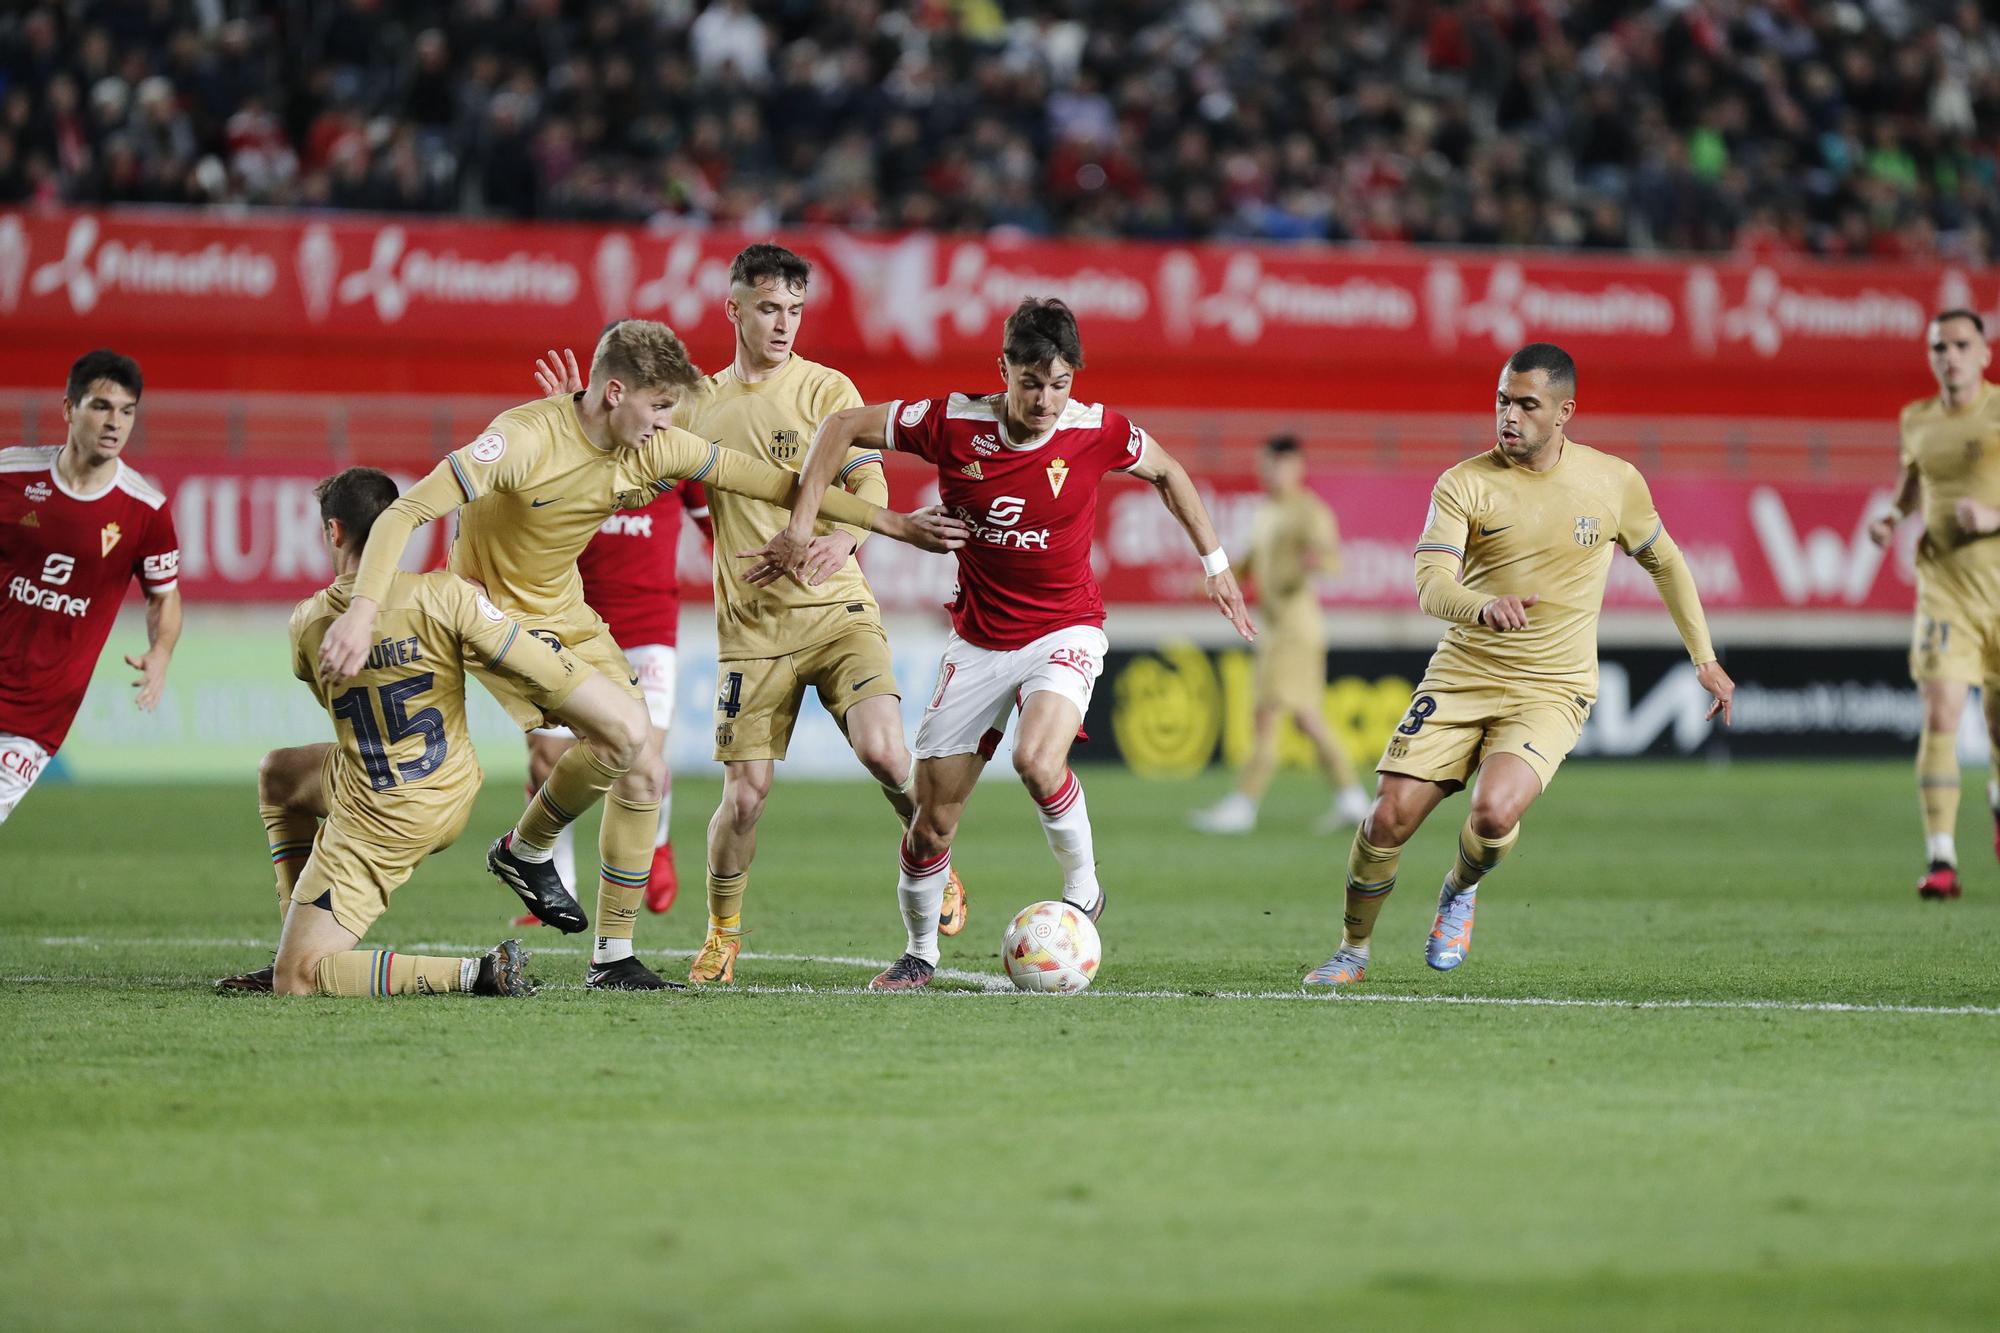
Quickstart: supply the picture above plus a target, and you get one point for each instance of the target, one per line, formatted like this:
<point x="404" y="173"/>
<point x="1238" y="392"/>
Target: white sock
<point x="920" y="892"/>
<point x="527" y="851"/>
<point x="1066" y="824"/>
<point x="565" y="858"/>
<point x="468" y="974"/>
<point x="1943" y="847"/>
<point x="661" y="829"/>
<point x="1993" y="795"/>
<point x="608" y="950"/>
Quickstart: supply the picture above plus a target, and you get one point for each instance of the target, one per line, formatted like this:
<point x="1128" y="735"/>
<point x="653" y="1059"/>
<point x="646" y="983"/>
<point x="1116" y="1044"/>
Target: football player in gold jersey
<point x="534" y="487"/>
<point x="1293" y="539"/>
<point x="399" y="782"/>
<point x="1515" y="553"/>
<point x="1950" y="457"/>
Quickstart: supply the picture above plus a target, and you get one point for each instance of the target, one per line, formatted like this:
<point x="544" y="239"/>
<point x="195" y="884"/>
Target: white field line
<point x="990" y="984"/>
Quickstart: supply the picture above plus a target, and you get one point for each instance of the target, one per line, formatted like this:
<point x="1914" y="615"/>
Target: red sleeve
<point x="694" y="499"/>
<point x="1124" y="443"/>
<point x="916" y="426"/>
<point x="157" y="561"/>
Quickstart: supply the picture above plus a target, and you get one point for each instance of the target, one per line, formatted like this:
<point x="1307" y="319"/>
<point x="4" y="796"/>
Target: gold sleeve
<point x="433" y="497"/>
<point x="1671" y="575"/>
<point x="865" y="481"/>
<point x="498" y="640"/>
<point x="1325" y="541"/>
<point x="744" y="475"/>
<point x="1440" y="557"/>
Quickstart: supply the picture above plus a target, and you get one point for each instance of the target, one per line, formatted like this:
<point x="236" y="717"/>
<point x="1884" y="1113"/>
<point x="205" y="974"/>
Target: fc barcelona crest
<point x="109" y="537"/>
<point x="784" y="445"/>
<point x="1589" y="531"/>
<point x="1058" y="474"/>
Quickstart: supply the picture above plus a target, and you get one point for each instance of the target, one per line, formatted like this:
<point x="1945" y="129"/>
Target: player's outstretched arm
<point x="345" y="646"/>
<point x="867" y="426"/>
<point x="163" y="631"/>
<point x="1165" y="474"/>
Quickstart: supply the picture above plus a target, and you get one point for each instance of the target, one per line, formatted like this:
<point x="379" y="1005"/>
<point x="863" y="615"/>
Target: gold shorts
<point x="1451" y="729"/>
<point x="536" y="706"/>
<point x="1290" y="673"/>
<point x="1957" y="630"/>
<point x="353" y="871"/>
<point x="757" y="698"/>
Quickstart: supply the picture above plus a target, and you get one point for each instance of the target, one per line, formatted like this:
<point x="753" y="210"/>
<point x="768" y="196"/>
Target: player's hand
<point x="1721" y="689"/>
<point x="1883" y="530"/>
<point x="1508" y="613"/>
<point x="932" y="528"/>
<point x="347" y="640"/>
<point x="1978" y="520"/>
<point x="558" y="373"/>
<point x="152" y="669"/>
<point x="1228" y="599"/>
<point x="825" y="557"/>
<point x="781" y="555"/>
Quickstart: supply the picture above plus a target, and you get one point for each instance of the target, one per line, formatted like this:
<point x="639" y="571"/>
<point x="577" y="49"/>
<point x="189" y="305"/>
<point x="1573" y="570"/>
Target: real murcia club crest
<point x="784" y="445"/>
<point x="1058" y="474"/>
<point x="109" y="537"/>
<point x="1588" y="531"/>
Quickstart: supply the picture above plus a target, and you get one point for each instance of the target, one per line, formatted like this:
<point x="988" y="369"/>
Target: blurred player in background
<point x="629" y="578"/>
<point x="1293" y="542"/>
<point x="1530" y="523"/>
<point x="1950" y="454"/>
<point x="76" y="526"/>
<point x="535" y="486"/>
<point x="1023" y="469"/>
<point x="400" y="781"/>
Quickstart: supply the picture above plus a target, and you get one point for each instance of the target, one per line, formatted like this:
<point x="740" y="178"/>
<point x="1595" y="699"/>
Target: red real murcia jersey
<point x="1032" y="508"/>
<point x="65" y="560"/>
<point x="628" y="567"/>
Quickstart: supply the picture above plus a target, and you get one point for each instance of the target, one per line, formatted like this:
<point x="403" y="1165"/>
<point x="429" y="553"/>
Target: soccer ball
<point x="1051" y="947"/>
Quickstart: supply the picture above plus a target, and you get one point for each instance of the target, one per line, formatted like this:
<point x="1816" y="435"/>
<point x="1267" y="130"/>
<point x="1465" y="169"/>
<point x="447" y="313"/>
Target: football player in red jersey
<point x="1022" y="469"/>
<point x="76" y="524"/>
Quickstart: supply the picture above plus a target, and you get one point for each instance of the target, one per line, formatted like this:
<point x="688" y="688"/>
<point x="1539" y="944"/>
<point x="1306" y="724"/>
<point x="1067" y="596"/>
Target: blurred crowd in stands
<point x="1834" y="127"/>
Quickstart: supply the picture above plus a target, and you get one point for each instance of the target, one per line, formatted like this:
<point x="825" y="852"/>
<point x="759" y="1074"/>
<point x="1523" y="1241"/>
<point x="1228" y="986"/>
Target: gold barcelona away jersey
<point x="1956" y="453"/>
<point x="534" y="490"/>
<point x="1547" y="534"/>
<point x="773" y="420"/>
<point x="403" y="761"/>
<point x="1293" y="539"/>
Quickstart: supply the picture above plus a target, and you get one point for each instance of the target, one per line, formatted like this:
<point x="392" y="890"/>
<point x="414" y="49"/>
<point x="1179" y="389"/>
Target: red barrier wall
<point x="372" y="304"/>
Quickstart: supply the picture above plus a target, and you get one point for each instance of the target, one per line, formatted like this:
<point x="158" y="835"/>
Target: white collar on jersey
<point x="1075" y="415"/>
<point x="55" y="475"/>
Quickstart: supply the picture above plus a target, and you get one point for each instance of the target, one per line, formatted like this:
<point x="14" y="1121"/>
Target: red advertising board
<point x="363" y="303"/>
<point x="251" y="534"/>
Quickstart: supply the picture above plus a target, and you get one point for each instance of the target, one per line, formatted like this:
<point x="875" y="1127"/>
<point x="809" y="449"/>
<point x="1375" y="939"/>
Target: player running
<point x="1530" y="523"/>
<point x="76" y="524"/>
<point x="1022" y="468"/>
<point x="1293" y="538"/>
<point x="400" y="782"/>
<point x="1951" y="463"/>
<point x="534" y="487"/>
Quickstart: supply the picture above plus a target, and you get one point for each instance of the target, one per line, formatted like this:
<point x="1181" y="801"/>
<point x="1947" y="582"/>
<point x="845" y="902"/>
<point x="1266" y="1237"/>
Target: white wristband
<point x="1214" y="562"/>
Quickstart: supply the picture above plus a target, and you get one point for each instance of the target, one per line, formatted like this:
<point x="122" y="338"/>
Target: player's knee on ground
<point x="295" y="975"/>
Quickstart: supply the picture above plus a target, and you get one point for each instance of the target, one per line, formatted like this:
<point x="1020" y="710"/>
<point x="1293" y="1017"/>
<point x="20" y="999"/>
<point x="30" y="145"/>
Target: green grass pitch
<point x="820" y="1159"/>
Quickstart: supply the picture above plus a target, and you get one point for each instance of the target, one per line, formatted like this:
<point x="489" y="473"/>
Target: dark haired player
<point x="76" y="524"/>
<point x="1515" y="553"/>
<point x="1951" y="465"/>
<point x="1022" y="468"/>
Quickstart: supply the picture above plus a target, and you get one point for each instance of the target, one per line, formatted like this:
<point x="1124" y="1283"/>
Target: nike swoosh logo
<point x="859" y="683"/>
<point x="1529" y="746"/>
<point x="1488" y="532"/>
<point x="537" y="504"/>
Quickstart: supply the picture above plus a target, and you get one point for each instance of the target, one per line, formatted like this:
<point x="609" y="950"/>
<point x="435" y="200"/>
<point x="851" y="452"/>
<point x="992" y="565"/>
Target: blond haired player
<point x="400" y="781"/>
<point x="1293" y="538"/>
<point x="1951" y="465"/>
<point x="1515" y="553"/>
<point x="534" y="487"/>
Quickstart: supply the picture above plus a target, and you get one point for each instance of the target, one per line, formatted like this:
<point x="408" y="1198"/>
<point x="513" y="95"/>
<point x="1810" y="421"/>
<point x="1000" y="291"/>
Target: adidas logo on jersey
<point x="972" y="470"/>
<point x="31" y="519"/>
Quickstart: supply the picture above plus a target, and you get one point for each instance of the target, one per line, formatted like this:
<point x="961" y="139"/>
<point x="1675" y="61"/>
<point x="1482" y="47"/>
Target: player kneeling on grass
<point x="1515" y="553"/>
<point x="399" y="782"/>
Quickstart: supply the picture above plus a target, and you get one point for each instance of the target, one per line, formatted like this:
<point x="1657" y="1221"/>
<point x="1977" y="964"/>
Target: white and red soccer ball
<point x="1051" y="948"/>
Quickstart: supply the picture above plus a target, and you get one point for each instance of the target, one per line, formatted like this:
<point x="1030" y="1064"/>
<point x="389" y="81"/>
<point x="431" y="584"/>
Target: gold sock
<point x="725" y="899"/>
<point x="625" y="856"/>
<point x="291" y="836"/>
<point x="575" y="784"/>
<point x="1477" y="856"/>
<point x="1371" y="874"/>
<point x="364" y="972"/>
<point x="1938" y="781"/>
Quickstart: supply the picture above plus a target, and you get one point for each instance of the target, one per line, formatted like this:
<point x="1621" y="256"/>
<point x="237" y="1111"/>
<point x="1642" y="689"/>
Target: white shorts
<point x="658" y="669"/>
<point x="978" y="687"/>
<point x="21" y="762"/>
